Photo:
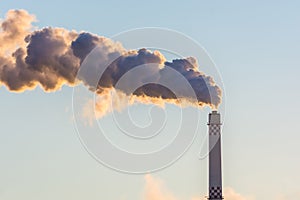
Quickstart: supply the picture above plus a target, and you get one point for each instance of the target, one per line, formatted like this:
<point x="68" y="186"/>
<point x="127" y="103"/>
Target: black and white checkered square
<point x="214" y="129"/>
<point x="215" y="193"/>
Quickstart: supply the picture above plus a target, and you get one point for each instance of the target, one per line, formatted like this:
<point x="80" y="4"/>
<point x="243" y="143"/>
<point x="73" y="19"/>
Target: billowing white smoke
<point x="51" y="57"/>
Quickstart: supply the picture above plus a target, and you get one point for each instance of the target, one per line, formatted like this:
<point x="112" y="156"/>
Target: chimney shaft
<point x="215" y="167"/>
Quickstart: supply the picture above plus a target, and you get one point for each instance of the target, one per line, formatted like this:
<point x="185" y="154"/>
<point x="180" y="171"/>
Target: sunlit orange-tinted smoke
<point x="51" y="57"/>
<point x="155" y="189"/>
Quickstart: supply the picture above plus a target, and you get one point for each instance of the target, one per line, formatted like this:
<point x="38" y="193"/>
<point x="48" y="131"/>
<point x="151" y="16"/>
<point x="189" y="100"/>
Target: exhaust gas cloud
<point x="51" y="57"/>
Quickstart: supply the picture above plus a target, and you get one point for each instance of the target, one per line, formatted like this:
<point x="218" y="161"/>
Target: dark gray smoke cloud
<point x="51" y="57"/>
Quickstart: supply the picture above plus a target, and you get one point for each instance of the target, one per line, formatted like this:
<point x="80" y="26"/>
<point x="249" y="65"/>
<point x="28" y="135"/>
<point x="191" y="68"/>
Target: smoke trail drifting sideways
<point x="51" y="58"/>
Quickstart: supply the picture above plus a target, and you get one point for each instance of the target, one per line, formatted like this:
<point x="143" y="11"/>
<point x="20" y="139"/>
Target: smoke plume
<point x="51" y="57"/>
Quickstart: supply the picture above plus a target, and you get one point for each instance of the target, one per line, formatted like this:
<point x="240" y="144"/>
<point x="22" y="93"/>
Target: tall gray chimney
<point x="215" y="167"/>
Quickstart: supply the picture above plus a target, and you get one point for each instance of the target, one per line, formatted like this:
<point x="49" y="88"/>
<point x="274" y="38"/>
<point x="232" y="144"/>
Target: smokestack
<point x="215" y="167"/>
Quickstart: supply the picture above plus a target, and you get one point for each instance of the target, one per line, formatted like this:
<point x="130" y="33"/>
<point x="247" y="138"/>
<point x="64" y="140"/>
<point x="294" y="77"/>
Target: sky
<point x="255" y="46"/>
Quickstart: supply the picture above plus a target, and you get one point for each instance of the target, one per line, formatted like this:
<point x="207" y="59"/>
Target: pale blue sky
<point x="256" y="47"/>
